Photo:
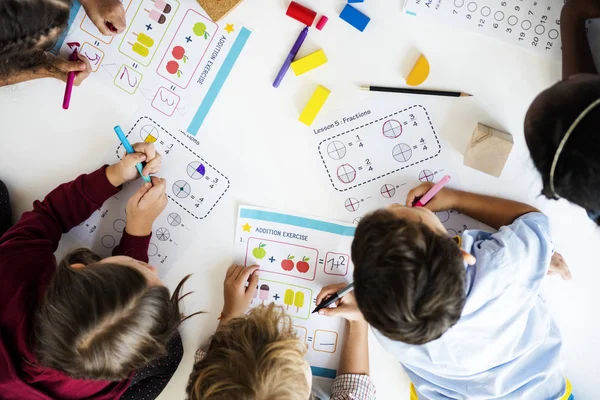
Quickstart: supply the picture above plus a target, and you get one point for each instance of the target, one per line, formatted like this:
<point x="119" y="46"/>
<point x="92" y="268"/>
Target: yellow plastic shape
<point x="314" y="105"/>
<point x="419" y="73"/>
<point x="310" y="62"/>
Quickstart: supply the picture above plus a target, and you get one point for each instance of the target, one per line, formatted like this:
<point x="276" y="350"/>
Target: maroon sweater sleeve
<point x="133" y="246"/>
<point x="62" y="209"/>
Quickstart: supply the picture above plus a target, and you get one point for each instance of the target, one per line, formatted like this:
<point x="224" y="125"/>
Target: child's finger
<point x="147" y="148"/>
<point x="245" y="272"/>
<point x="117" y="19"/>
<point x="153" y="166"/>
<point x="252" y="284"/>
<point x="231" y="271"/>
<point x="329" y="290"/>
<point x="417" y="192"/>
<point x="131" y="160"/>
<point x="139" y="194"/>
<point x="332" y="312"/>
<point x="157" y="191"/>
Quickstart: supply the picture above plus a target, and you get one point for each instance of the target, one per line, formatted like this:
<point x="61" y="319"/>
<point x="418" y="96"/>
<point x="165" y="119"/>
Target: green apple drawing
<point x="260" y="251"/>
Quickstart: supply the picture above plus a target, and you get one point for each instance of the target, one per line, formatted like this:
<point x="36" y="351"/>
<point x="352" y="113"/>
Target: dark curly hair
<point x="409" y="281"/>
<point x="28" y="28"/>
<point x="577" y="175"/>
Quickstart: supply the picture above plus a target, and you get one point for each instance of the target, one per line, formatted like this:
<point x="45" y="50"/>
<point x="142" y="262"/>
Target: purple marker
<point x="290" y="57"/>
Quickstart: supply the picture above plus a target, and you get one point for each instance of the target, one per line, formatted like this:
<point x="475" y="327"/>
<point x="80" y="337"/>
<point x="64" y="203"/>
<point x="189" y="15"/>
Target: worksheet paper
<point x="172" y="59"/>
<point x="374" y="155"/>
<point x="298" y="256"/>
<point x="533" y="25"/>
<point x="194" y="188"/>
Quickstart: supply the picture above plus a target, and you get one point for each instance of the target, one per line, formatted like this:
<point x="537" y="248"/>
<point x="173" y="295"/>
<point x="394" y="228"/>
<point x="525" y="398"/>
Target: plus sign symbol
<point x="272" y="260"/>
<point x="276" y="297"/>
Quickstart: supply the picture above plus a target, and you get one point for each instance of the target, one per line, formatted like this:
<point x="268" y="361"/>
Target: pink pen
<point x="432" y="192"/>
<point x="70" y="80"/>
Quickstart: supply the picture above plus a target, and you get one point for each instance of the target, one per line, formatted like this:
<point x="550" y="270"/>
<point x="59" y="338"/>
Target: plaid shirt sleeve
<point x="353" y="387"/>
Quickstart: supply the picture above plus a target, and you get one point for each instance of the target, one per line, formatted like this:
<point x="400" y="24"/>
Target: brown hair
<point x="409" y="281"/>
<point x="257" y="356"/>
<point x="103" y="321"/>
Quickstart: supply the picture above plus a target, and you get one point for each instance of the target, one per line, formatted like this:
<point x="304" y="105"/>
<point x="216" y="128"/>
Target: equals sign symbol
<point x="97" y="43"/>
<point x="320" y="261"/>
<point x="310" y="338"/>
<point x="172" y="87"/>
<point x="134" y="65"/>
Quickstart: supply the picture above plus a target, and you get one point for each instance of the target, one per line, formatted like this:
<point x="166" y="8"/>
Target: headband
<point x="563" y="142"/>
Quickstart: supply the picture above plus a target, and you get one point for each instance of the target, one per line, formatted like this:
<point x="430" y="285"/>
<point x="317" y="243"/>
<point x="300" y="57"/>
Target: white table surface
<point x="252" y="127"/>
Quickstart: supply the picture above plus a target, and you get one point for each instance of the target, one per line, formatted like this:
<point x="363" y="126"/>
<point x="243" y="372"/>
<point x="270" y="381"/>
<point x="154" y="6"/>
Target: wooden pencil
<point x="415" y="91"/>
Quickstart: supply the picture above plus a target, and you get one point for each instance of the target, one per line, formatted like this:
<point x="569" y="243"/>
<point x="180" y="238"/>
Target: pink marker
<point x="70" y="80"/>
<point x="432" y="192"/>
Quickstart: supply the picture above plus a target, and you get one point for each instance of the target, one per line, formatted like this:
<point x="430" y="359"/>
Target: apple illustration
<point x="260" y="251"/>
<point x="288" y="264"/>
<point x="179" y="54"/>
<point x="173" y="68"/>
<point x="303" y="266"/>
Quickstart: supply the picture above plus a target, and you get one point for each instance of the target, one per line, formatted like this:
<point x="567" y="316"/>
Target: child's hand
<point x="237" y="295"/>
<point x="61" y="68"/>
<point x="145" y="206"/>
<point x="346" y="307"/>
<point x="125" y="171"/>
<point x="107" y="15"/>
<point x="558" y="265"/>
<point x="444" y="200"/>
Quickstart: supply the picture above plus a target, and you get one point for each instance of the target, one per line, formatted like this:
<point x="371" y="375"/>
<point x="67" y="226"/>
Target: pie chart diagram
<point x="182" y="189"/>
<point x="196" y="170"/>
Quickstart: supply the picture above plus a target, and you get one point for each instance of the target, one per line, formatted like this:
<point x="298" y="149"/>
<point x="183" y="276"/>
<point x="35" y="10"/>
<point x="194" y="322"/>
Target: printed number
<point x="481" y="22"/>
<point x="517" y="8"/>
<point x="337" y="123"/>
<point x="495" y="25"/>
<point x="454" y="12"/>
<point x="167" y="151"/>
<point x="368" y="161"/>
<point x="468" y="16"/>
<point x="358" y="138"/>
<point x="549" y="45"/>
<point x="508" y="30"/>
<point x="503" y="4"/>
<point x="535" y="41"/>
<point x="530" y="12"/>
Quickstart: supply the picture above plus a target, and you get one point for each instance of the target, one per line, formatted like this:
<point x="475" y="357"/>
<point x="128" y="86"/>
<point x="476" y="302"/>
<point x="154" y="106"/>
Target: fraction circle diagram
<point x="426" y="176"/>
<point x="512" y="20"/>
<point x="182" y="189"/>
<point x="352" y="204"/>
<point x="108" y="241"/>
<point x="152" y="250"/>
<point x="336" y="150"/>
<point x="526" y="25"/>
<point x="357" y="220"/>
<point x="174" y="219"/>
<point x="402" y="152"/>
<point x="162" y="234"/>
<point x="388" y="191"/>
<point x="346" y="173"/>
<point x="444" y="216"/>
<point x="196" y="170"/>
<point x="392" y="129"/>
<point x="499" y="16"/>
<point x="472" y="6"/>
<point x="486" y="11"/>
<point x="119" y="225"/>
<point x="553" y="34"/>
<point x="149" y="133"/>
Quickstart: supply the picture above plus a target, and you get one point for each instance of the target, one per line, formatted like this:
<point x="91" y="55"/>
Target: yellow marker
<point x="145" y="39"/>
<point x="314" y="105"/>
<point x="139" y="49"/>
<point x="419" y="73"/>
<point x="299" y="300"/>
<point x="309" y="62"/>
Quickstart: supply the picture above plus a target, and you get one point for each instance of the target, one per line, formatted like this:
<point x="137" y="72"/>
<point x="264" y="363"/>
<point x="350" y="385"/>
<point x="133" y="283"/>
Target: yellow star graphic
<point x="246" y="227"/>
<point x="229" y="28"/>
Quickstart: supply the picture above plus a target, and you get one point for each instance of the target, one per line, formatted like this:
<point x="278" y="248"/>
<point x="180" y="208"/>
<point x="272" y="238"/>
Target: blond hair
<point x="257" y="356"/>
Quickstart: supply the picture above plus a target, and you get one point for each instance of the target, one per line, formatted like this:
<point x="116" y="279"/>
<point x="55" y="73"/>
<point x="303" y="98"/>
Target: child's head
<point x="27" y="29"/>
<point x="101" y="319"/>
<point x="257" y="356"/>
<point x="409" y="276"/>
<point x="552" y="114"/>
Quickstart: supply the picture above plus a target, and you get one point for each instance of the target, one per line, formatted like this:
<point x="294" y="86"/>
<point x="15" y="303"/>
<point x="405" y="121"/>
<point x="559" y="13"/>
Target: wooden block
<point x="355" y="18"/>
<point x="314" y="105"/>
<point x="419" y="72"/>
<point x="218" y="9"/>
<point x="488" y="150"/>
<point x="309" y="62"/>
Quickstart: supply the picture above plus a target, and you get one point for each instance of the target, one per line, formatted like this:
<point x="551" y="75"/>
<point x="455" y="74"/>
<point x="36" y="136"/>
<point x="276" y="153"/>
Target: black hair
<point x="28" y="29"/>
<point x="577" y="174"/>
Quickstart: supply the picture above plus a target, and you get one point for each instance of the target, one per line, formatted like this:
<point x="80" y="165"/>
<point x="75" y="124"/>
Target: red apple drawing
<point x="288" y="264"/>
<point x="173" y="68"/>
<point x="179" y="53"/>
<point x="303" y="266"/>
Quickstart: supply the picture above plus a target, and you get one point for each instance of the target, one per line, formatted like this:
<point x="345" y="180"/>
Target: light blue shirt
<point x="505" y="344"/>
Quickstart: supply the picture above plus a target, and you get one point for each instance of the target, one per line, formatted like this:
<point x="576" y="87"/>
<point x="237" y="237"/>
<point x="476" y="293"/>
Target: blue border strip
<point x="297" y="221"/>
<point x="220" y="79"/>
<point x="414" y="14"/>
<point x="323" y="372"/>
<point x="61" y="39"/>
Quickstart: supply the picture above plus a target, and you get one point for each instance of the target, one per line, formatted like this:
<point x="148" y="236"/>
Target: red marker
<point x="432" y="192"/>
<point x="70" y="80"/>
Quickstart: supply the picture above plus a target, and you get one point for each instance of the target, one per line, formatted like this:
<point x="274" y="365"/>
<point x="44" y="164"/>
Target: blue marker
<point x="129" y="149"/>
